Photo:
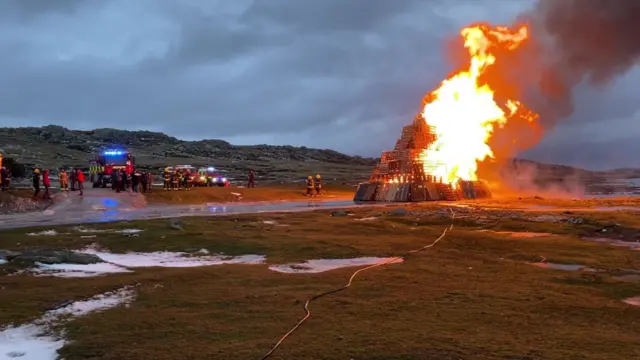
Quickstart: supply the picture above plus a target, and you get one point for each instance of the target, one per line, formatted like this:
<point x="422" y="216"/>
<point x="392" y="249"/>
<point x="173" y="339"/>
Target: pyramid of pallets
<point x="403" y="162"/>
<point x="405" y="174"/>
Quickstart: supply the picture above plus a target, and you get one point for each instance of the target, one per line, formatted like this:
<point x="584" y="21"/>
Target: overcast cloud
<point x="341" y="74"/>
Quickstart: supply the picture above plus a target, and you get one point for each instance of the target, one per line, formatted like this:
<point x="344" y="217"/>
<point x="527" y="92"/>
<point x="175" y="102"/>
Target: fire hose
<point x="353" y="276"/>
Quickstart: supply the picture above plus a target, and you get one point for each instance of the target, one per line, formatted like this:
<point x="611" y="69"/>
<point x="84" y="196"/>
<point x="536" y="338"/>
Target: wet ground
<point x="104" y="205"/>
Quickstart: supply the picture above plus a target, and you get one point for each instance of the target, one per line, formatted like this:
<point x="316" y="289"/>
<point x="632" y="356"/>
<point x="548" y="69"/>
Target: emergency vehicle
<point x="111" y="160"/>
<point x="209" y="176"/>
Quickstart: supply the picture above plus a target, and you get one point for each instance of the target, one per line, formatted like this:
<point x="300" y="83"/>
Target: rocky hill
<point x="55" y="146"/>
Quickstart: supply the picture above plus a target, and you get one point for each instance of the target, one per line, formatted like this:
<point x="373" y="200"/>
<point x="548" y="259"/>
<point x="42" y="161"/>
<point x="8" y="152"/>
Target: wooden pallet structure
<point x="403" y="174"/>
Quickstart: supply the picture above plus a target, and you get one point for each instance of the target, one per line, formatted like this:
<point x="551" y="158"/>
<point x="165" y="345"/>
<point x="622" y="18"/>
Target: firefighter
<point x="114" y="180"/>
<point x="318" y="184"/>
<point x="93" y="169"/>
<point x="252" y="179"/>
<point x="118" y="183"/>
<point x="188" y="180"/>
<point x="166" y="175"/>
<point x="80" y="180"/>
<point x="73" y="179"/>
<point x="64" y="180"/>
<point x="36" y="183"/>
<point x="310" y="185"/>
<point x="46" y="181"/>
<point x="175" y="180"/>
<point x="149" y="177"/>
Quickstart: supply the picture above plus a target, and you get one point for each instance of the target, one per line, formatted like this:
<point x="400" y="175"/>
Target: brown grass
<point x="470" y="297"/>
<point x="261" y="193"/>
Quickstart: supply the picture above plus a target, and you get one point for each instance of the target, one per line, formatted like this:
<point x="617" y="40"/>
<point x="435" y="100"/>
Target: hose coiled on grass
<point x="353" y="276"/>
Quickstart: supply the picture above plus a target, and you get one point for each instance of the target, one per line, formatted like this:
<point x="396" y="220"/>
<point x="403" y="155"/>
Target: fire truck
<point x="111" y="160"/>
<point x="209" y="176"/>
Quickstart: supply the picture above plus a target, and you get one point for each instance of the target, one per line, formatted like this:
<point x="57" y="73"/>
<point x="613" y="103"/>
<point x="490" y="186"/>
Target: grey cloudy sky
<point x="341" y="74"/>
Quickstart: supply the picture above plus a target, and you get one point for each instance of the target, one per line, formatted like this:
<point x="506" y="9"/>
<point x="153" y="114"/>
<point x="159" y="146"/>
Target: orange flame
<point x="463" y="111"/>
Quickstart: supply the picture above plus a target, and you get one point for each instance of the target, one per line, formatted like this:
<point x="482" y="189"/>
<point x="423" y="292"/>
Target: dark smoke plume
<point x="580" y="41"/>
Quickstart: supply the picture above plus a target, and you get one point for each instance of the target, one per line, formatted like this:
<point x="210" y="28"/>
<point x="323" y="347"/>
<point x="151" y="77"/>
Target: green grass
<point x="472" y="296"/>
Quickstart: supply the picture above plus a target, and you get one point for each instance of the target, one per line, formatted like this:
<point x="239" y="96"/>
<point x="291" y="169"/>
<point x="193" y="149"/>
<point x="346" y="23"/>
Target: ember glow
<point x="463" y="111"/>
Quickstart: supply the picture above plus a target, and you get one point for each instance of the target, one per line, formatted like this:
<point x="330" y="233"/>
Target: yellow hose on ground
<point x="390" y="261"/>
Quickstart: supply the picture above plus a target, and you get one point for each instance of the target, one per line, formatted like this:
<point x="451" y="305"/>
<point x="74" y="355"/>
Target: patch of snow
<point x="203" y="251"/>
<point x="123" y="231"/>
<point x="170" y="259"/>
<point x="635" y="301"/>
<point x="318" y="266"/>
<point x="129" y="231"/>
<point x="3" y="261"/>
<point x="29" y="342"/>
<point x="88" y="230"/>
<point x="269" y="222"/>
<point x="370" y="218"/>
<point x="44" y="233"/>
<point x="78" y="270"/>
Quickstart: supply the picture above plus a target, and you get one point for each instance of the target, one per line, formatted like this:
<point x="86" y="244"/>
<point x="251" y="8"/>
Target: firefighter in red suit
<point x="252" y="179"/>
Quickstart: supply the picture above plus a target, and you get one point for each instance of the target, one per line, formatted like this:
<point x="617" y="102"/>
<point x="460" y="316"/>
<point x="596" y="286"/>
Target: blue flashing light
<point x="113" y="153"/>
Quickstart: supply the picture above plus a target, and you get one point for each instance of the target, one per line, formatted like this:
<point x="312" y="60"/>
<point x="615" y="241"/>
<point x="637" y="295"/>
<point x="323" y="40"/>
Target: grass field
<point x="472" y="296"/>
<point x="262" y="193"/>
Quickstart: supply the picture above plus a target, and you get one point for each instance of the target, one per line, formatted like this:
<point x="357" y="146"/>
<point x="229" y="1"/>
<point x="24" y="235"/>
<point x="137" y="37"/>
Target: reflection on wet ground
<point x="102" y="205"/>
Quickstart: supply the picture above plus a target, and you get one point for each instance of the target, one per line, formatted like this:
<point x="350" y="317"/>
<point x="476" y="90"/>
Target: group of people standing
<point x="136" y="181"/>
<point x="314" y="185"/>
<point x="177" y="179"/>
<point x="43" y="177"/>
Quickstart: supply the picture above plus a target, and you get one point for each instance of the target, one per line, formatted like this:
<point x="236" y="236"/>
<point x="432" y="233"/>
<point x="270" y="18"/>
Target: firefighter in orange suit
<point x="318" y="185"/>
<point x="310" y="185"/>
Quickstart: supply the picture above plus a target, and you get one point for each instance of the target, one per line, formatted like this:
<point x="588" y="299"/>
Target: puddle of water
<point x="120" y="263"/>
<point x="635" y="301"/>
<point x="27" y="341"/>
<point x="565" y="267"/>
<point x="318" y="266"/>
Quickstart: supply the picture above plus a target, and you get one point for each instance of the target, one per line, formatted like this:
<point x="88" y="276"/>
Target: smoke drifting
<point x="572" y="43"/>
<point x="576" y="42"/>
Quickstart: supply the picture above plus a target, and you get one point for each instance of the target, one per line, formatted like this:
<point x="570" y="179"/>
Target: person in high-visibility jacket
<point x="64" y="180"/>
<point x="310" y="185"/>
<point x="318" y="185"/>
<point x="166" y="176"/>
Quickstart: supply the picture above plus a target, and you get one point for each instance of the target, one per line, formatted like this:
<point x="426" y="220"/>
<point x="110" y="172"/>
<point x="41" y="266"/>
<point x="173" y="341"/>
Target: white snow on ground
<point x="370" y="218"/>
<point x="3" y="261"/>
<point x="29" y="342"/>
<point x="635" y="301"/>
<point x="44" y="233"/>
<point x="318" y="266"/>
<point x="77" y="270"/>
<point x="91" y="231"/>
<point x="121" y="263"/>
<point x="170" y="259"/>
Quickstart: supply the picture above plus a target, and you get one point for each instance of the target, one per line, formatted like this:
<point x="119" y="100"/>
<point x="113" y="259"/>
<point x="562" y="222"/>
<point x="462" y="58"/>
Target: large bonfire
<point x="464" y="111"/>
